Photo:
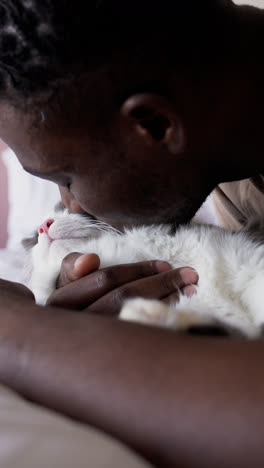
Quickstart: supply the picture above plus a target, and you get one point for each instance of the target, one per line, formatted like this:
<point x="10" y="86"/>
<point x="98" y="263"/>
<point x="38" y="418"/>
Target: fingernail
<point x="161" y="267"/>
<point x="78" y="262"/>
<point x="189" y="275"/>
<point x="189" y="291"/>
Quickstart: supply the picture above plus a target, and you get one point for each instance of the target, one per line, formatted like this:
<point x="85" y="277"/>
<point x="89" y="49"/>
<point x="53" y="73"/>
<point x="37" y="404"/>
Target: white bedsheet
<point x="32" y="437"/>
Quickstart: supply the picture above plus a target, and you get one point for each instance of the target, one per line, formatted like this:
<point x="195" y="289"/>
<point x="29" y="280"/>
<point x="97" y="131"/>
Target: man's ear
<point x="154" y="119"/>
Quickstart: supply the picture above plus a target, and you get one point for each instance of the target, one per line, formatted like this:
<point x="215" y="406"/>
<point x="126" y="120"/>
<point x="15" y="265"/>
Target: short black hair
<point x="46" y="42"/>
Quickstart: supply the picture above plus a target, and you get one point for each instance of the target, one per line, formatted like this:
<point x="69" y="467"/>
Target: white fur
<point x="230" y="268"/>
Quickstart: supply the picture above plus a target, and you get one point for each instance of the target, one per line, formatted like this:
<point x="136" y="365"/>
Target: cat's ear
<point x="153" y="118"/>
<point x="30" y="242"/>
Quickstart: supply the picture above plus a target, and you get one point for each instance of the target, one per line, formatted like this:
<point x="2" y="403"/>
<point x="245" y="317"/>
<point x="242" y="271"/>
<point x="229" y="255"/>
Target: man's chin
<point x="182" y="213"/>
<point x="186" y="213"/>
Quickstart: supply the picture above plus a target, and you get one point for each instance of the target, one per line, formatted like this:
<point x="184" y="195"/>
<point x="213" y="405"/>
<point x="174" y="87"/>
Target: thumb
<point x="75" y="266"/>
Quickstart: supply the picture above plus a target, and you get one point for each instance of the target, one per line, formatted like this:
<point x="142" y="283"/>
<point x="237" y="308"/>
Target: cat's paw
<point x="156" y="313"/>
<point x="145" y="311"/>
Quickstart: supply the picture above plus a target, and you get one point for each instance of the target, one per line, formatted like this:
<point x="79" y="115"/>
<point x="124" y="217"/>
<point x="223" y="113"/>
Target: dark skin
<point x="176" y="399"/>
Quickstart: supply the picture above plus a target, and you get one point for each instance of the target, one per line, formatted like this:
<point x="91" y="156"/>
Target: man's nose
<point x="45" y="226"/>
<point x="70" y="202"/>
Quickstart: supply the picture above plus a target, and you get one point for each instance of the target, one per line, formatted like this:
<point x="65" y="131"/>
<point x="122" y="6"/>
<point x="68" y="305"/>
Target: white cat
<point x="230" y="265"/>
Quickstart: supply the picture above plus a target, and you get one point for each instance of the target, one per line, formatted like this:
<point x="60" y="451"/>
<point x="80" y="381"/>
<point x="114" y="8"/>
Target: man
<point x="137" y="111"/>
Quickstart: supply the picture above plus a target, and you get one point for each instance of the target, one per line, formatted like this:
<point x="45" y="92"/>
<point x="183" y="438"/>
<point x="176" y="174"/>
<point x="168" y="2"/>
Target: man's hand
<point x="81" y="285"/>
<point x="15" y="290"/>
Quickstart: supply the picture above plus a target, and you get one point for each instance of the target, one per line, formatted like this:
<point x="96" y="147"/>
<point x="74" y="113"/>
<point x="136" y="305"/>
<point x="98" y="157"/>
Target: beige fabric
<point x="31" y="437"/>
<point x="237" y="202"/>
<point x="256" y="3"/>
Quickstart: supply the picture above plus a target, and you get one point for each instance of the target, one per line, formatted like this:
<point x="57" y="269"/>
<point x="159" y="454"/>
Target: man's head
<point x="126" y="104"/>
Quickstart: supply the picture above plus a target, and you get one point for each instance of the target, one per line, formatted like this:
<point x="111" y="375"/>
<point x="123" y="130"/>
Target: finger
<point x="85" y="264"/>
<point x="75" y="266"/>
<point x="85" y="291"/>
<point x="158" y="287"/>
<point x="189" y="290"/>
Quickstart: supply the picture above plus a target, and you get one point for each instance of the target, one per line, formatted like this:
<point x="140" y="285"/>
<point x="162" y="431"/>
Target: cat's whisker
<point x="105" y="227"/>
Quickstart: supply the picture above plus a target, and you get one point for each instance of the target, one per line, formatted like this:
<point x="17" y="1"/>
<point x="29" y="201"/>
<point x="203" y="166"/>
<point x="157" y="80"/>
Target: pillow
<point x="30" y="200"/>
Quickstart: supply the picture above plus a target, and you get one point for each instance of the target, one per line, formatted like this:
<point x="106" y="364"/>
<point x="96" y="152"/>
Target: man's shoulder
<point x="236" y="202"/>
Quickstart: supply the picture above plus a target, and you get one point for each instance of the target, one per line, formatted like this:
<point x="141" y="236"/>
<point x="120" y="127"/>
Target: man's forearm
<point x="180" y="401"/>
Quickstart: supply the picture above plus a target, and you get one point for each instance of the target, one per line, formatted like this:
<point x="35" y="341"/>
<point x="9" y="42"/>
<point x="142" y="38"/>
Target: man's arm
<point x="178" y="400"/>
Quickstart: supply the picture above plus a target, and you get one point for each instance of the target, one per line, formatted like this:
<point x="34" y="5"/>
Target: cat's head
<point x="61" y="233"/>
<point x="61" y="225"/>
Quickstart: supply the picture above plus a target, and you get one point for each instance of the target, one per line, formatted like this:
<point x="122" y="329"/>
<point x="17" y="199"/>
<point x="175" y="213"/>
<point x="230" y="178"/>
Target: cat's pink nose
<point x="45" y="226"/>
